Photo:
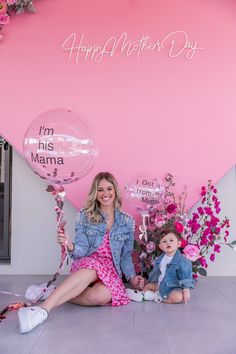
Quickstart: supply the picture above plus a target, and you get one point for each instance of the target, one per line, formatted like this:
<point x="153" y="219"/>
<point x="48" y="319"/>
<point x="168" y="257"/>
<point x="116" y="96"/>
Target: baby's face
<point x="169" y="244"/>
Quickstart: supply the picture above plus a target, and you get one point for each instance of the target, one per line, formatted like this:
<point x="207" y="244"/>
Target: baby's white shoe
<point x="152" y="296"/>
<point x="31" y="317"/>
<point x="39" y="292"/>
<point x="134" y="295"/>
<point x="149" y="295"/>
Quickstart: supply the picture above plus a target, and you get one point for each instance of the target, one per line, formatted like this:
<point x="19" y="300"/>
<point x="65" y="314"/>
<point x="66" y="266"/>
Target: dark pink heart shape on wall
<point x="148" y="111"/>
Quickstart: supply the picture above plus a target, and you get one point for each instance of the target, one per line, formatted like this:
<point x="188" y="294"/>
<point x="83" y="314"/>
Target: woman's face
<point x="105" y="193"/>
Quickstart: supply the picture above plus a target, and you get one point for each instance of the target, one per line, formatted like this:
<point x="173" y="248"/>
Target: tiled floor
<point x="206" y="325"/>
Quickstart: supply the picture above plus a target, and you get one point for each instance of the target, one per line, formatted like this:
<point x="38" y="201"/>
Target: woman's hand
<point x="137" y="282"/>
<point x="64" y="241"/>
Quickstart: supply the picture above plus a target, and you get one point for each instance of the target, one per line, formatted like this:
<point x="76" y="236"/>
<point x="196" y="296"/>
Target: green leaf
<point x="196" y="263"/>
<point x="202" y="272"/>
<point x="137" y="246"/>
<point x="233" y="243"/>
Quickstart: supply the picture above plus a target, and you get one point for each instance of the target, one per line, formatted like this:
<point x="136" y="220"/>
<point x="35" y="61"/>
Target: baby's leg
<point x="175" y="297"/>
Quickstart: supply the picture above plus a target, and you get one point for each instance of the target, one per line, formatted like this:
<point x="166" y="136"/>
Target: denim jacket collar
<point x="174" y="260"/>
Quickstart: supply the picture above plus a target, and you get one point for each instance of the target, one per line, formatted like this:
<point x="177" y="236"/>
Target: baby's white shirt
<point x="165" y="260"/>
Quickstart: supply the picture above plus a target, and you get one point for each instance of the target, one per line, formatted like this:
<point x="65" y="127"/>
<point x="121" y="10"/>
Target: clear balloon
<point x="144" y="191"/>
<point x="58" y="146"/>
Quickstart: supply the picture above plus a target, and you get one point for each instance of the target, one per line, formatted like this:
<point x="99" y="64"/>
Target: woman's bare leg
<point x="75" y="284"/>
<point x="97" y="295"/>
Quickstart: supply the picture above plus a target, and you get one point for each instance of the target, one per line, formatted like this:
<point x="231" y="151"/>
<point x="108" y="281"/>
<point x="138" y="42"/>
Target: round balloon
<point x="144" y="191"/>
<point x="58" y="146"/>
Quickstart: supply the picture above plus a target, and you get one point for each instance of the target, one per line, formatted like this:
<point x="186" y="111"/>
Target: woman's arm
<point x="184" y="272"/>
<point x="81" y="244"/>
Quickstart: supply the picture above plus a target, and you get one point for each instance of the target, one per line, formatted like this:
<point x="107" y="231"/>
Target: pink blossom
<point x="217" y="248"/>
<point x="203" y="241"/>
<point x="159" y="221"/>
<point x="194" y="226"/>
<point x="11" y="2"/>
<point x="203" y="262"/>
<point x="3" y="8"/>
<point x="179" y="227"/>
<point x="208" y="210"/>
<point x="183" y="243"/>
<point x="212" y="257"/>
<point x="4" y="18"/>
<point x="150" y="247"/>
<point x="200" y="210"/>
<point x="203" y="200"/>
<point x="171" y="208"/>
<point x="192" y="252"/>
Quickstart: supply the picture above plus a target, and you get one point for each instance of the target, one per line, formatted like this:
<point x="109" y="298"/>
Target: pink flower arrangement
<point x="201" y="231"/>
<point x="169" y="212"/>
<point x="206" y="230"/>
<point x="17" y="6"/>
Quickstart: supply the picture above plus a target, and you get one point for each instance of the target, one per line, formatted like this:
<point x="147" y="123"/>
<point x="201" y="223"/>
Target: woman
<point x="102" y="251"/>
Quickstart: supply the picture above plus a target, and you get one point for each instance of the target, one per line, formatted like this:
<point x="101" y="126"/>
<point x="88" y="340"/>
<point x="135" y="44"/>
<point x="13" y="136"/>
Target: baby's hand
<point x="137" y="282"/>
<point x="186" y="295"/>
<point x="150" y="287"/>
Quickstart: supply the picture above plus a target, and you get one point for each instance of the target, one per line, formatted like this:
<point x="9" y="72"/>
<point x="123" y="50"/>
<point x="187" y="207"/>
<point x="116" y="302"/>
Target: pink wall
<point x="153" y="113"/>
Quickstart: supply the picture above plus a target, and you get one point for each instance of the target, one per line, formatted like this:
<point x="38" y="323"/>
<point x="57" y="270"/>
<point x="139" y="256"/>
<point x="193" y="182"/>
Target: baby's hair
<point x="167" y="231"/>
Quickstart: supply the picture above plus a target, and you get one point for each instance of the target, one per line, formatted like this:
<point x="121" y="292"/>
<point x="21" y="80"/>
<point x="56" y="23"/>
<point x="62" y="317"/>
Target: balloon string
<point x="59" y="193"/>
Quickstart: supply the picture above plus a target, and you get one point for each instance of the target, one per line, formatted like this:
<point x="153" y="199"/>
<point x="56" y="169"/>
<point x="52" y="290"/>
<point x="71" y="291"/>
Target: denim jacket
<point x="178" y="274"/>
<point x="89" y="238"/>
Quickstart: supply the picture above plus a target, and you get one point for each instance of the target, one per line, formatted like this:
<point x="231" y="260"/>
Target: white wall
<point x="34" y="249"/>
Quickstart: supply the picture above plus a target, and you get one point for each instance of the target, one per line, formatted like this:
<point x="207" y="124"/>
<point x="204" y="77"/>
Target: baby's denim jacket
<point x="89" y="238"/>
<point x="178" y="274"/>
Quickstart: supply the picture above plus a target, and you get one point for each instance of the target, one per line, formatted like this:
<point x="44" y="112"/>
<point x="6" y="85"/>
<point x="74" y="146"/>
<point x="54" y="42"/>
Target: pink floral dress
<point x="102" y="262"/>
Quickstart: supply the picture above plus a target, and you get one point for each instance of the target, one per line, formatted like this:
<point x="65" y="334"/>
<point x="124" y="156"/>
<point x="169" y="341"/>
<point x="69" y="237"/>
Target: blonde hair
<point x="92" y="206"/>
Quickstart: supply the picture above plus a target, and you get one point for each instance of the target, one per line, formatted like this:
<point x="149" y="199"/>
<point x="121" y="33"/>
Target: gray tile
<point x="205" y="325"/>
<point x="194" y="333"/>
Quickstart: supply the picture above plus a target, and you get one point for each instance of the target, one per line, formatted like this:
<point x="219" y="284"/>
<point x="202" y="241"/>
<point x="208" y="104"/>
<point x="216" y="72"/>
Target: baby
<point x="170" y="280"/>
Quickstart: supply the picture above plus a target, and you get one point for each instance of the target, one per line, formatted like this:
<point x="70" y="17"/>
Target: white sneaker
<point x="31" y="317"/>
<point x="149" y="295"/>
<point x="39" y="292"/>
<point x="152" y="296"/>
<point x="134" y="295"/>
